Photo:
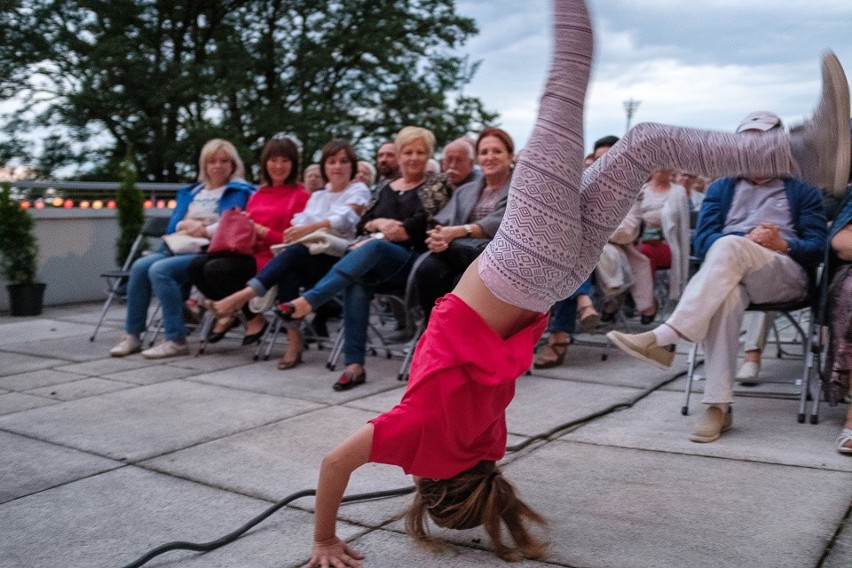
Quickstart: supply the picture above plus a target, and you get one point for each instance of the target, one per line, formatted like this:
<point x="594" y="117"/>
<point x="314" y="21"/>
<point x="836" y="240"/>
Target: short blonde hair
<point x="213" y="146"/>
<point x="411" y="134"/>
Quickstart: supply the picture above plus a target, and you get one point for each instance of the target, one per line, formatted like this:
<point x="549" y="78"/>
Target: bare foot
<point x="255" y="324"/>
<point x="230" y="305"/>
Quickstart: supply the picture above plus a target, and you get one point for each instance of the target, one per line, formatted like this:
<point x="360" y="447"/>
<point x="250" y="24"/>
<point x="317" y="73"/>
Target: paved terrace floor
<point x="102" y="459"/>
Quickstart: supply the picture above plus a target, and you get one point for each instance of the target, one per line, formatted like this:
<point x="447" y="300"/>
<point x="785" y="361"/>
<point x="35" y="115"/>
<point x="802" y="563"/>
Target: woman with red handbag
<point x="247" y="236"/>
<point x="165" y="273"/>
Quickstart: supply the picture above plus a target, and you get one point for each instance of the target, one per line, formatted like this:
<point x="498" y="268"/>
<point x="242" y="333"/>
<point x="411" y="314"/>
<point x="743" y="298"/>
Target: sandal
<point x="844" y="441"/>
<point x="590" y="319"/>
<point x="552" y="355"/>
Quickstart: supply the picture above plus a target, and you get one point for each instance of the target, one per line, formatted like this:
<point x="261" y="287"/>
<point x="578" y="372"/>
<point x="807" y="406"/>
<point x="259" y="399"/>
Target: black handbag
<point x="463" y="251"/>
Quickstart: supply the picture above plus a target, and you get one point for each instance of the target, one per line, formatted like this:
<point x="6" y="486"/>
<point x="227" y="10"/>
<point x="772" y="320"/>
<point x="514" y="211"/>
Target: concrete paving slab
<point x="777" y="378"/>
<point x="15" y="363"/>
<point x="541" y="404"/>
<point x="309" y="381"/>
<point x="283" y="458"/>
<point x="76" y="348"/>
<point x="37" y="379"/>
<point x="387" y="548"/>
<point x="632" y="508"/>
<point x="17" y="402"/>
<point x="147" y="421"/>
<point x="619" y="369"/>
<point x="840" y="555"/>
<point x="90" y="386"/>
<point x="29" y="466"/>
<point x="150" y="375"/>
<point x="38" y="329"/>
<point x="108" y="365"/>
<point x="111" y="519"/>
<point x="764" y="430"/>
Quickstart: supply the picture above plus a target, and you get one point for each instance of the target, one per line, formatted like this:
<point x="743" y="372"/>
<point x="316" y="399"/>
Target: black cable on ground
<point x="232" y="536"/>
<point x="612" y="408"/>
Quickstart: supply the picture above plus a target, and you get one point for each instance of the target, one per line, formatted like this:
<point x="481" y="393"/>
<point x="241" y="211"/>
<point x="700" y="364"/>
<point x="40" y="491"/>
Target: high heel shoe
<point x="285" y="363"/>
<point x="217" y="336"/>
<point x="248" y="339"/>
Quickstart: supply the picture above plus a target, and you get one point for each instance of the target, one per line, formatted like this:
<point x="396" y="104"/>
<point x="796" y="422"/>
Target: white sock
<point x="665" y="335"/>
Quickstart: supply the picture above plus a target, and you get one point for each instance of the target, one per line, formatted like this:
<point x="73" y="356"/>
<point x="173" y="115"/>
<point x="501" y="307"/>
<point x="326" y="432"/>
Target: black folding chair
<point x="154" y="227"/>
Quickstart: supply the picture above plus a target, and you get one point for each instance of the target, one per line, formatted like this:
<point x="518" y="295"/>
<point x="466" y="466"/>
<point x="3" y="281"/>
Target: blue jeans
<point x="166" y="277"/>
<point x="375" y="265"/>
<point x="563" y="315"/>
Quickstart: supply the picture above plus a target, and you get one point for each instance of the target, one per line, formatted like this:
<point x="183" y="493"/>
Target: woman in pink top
<point x="271" y="208"/>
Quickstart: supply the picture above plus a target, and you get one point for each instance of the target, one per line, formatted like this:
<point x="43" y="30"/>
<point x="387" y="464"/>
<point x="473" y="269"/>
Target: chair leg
<point x="104" y="309"/>
<point x="336" y="350"/>
<point x="690" y="373"/>
<point x="207" y="322"/>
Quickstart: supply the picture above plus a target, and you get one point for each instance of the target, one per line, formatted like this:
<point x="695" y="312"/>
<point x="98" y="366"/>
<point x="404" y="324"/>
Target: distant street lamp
<point x="630" y="107"/>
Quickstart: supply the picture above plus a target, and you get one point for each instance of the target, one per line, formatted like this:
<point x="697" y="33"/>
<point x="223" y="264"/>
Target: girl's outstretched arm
<point x="336" y="468"/>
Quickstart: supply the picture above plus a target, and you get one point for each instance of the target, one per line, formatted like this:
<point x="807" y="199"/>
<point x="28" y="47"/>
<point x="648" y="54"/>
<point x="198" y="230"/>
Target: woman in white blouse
<point x="337" y="209"/>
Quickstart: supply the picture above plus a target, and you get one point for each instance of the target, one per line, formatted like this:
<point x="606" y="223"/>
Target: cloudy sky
<point x="695" y="63"/>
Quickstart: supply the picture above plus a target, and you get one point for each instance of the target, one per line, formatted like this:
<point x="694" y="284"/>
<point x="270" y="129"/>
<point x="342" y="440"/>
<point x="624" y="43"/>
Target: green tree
<point x="18" y="245"/>
<point x="129" y="201"/>
<point x="167" y="76"/>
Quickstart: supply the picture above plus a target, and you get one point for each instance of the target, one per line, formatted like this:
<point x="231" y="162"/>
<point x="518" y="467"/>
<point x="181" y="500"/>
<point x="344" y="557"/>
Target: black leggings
<point x="218" y="275"/>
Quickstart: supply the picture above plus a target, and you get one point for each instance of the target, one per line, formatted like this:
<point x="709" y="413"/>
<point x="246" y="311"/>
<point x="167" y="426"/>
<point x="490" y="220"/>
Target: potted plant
<point x="18" y="255"/>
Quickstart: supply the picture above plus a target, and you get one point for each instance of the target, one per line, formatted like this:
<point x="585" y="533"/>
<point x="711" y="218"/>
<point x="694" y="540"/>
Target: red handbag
<point x="234" y="234"/>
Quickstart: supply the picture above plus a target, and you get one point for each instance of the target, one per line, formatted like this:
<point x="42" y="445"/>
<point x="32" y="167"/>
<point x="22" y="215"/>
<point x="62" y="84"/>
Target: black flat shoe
<point x="349" y="380"/>
<point x="285" y="311"/>
<point x="217" y="336"/>
<point x="255" y="337"/>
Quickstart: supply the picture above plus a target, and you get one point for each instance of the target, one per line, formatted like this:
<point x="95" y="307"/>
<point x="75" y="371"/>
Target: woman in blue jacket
<point x="165" y="275"/>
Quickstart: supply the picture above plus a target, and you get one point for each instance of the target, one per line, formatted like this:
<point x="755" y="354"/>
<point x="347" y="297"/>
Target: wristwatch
<point x="468" y="230"/>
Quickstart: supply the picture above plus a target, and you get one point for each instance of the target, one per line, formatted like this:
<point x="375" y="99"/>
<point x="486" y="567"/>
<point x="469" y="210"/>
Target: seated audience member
<point x="474" y="212"/>
<point x="665" y="209"/>
<point x="313" y="178"/>
<point x="387" y="165"/>
<point x="758" y="237"/>
<point x="624" y="268"/>
<point x="337" y="208"/>
<point x="694" y="188"/>
<point x="561" y="325"/>
<point x="840" y="319"/>
<point x="271" y="209"/>
<point x="165" y="275"/>
<point x="395" y="227"/>
<point x="457" y="162"/>
<point x="366" y="173"/>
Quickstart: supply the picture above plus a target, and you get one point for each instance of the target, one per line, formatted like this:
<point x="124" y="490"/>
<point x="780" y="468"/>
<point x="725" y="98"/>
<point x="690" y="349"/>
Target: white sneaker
<point x="166" y="349"/>
<point x="130" y="344"/>
<point x="747" y="375"/>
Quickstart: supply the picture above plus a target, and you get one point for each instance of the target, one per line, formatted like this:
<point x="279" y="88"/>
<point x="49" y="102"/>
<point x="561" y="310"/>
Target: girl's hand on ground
<point x="334" y="554"/>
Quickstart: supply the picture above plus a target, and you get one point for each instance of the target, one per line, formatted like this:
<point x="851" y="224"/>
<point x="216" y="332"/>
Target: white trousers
<point x="735" y="273"/>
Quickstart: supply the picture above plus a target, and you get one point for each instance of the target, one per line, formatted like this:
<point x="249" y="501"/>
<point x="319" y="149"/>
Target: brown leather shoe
<point x="551" y="355"/>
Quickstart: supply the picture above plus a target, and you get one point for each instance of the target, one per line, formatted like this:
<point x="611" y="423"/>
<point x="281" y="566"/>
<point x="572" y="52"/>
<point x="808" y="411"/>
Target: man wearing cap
<point x="759" y="238"/>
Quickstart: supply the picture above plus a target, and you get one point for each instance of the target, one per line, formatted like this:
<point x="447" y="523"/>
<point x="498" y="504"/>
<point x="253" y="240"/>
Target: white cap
<point x="762" y="120"/>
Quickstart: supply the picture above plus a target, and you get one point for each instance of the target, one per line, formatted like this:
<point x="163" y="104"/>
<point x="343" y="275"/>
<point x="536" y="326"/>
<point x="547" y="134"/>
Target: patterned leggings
<point x="559" y="217"/>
